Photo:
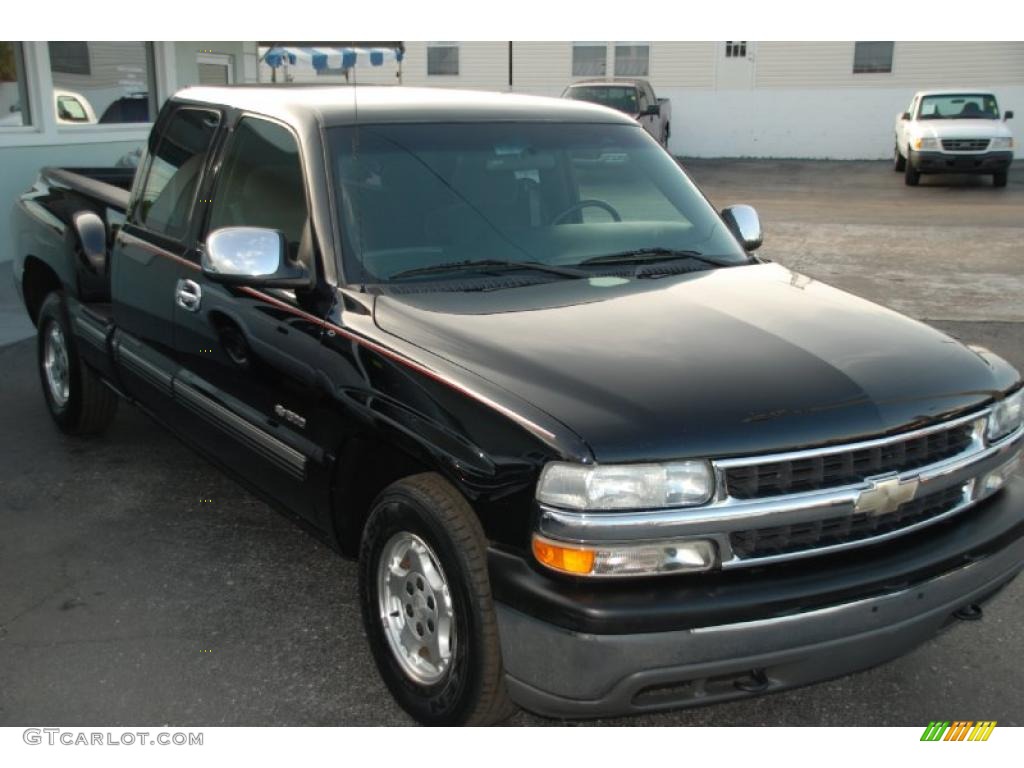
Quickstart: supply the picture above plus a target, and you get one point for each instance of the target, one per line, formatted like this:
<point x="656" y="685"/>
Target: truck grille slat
<point x="830" y="470"/>
<point x="783" y="539"/>
<point x="965" y="145"/>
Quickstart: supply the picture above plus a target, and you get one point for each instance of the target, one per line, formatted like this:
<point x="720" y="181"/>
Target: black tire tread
<point x="93" y="406"/>
<point x="452" y="510"/>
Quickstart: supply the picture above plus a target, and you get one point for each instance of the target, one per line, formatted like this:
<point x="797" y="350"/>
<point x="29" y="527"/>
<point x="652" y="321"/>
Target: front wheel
<point x="899" y="162"/>
<point x="427" y="607"/>
<point x="78" y="401"/>
<point x="999" y="179"/>
<point x="911" y="176"/>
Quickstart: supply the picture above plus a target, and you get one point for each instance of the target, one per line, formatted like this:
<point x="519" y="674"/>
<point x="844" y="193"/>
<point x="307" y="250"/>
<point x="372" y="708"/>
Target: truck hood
<point x="725" y="362"/>
<point x="961" y="129"/>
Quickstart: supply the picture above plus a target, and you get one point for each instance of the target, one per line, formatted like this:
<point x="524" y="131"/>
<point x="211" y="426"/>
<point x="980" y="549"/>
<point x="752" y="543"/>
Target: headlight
<point x="1003" y="142"/>
<point x="625" y="486"/>
<point x="1006" y="417"/>
<point x="927" y="143"/>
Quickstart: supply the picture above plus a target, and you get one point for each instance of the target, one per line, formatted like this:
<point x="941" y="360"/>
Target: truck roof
<point x="638" y="81"/>
<point x="340" y="104"/>
<point x="951" y="91"/>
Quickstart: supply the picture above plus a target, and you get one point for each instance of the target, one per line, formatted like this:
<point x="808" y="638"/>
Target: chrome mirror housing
<point x="251" y="256"/>
<point x="92" y="234"/>
<point x="745" y="224"/>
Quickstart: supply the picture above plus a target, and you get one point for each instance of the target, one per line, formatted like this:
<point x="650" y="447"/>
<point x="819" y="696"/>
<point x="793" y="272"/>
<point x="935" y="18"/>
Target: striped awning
<point x="321" y="58"/>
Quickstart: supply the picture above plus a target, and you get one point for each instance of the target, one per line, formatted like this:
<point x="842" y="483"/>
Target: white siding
<point x="542" y="68"/>
<point x="685" y="65"/>
<point x="915" y="65"/>
<point x="545" y="68"/>
<point x="786" y="99"/>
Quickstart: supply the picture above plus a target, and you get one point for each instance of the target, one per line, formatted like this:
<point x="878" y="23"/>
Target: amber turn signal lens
<point x="565" y="559"/>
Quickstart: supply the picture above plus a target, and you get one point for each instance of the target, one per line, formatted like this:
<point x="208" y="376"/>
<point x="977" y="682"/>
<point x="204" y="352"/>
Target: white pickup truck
<point x="953" y="132"/>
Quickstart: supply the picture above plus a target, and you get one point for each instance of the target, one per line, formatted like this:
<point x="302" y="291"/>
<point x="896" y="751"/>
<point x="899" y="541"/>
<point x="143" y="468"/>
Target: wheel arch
<point x="365" y="466"/>
<point x="38" y="280"/>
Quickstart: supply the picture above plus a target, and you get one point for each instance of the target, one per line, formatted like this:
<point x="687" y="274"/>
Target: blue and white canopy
<point x="331" y="58"/>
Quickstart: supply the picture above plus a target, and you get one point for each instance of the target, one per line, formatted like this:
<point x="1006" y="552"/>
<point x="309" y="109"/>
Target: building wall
<point x="784" y="99"/>
<point x="186" y="69"/>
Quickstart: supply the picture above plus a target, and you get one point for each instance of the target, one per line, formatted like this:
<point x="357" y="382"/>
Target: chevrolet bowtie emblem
<point x="885" y="496"/>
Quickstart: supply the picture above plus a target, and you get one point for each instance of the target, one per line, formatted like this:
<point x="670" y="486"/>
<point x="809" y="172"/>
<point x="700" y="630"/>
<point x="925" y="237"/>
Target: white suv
<point x="953" y="132"/>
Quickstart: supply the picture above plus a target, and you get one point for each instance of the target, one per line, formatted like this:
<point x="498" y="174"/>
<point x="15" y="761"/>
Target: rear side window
<point x="261" y="183"/>
<point x="175" y="171"/>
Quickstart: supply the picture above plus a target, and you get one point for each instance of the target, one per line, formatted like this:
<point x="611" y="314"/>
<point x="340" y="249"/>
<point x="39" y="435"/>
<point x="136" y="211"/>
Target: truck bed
<point x="110" y="186"/>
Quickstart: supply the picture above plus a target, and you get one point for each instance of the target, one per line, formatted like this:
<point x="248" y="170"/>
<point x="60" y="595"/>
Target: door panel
<point x="149" y="251"/>
<point x="248" y="357"/>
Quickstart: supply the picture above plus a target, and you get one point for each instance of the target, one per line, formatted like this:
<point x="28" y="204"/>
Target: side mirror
<point x="905" y="116"/>
<point x="744" y="223"/>
<point x="652" y="109"/>
<point x="92" y="234"/>
<point x="1008" y="114"/>
<point x="252" y="256"/>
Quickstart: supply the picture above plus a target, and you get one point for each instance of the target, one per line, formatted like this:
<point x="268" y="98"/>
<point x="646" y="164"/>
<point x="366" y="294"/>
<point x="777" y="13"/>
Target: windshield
<point x="413" y="196"/>
<point x="973" y="106"/>
<point x="620" y="97"/>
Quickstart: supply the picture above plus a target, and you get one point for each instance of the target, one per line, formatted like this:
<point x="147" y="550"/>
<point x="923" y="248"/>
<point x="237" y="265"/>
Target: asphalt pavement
<point x="141" y="586"/>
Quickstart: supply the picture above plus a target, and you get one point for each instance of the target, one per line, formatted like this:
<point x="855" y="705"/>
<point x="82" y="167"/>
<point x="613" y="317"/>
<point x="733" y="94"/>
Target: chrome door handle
<point x="188" y="295"/>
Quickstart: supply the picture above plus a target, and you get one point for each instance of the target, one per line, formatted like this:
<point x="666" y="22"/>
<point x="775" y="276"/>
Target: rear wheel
<point x="899" y="162"/>
<point x="427" y="605"/>
<point x="78" y="401"/>
<point x="999" y="179"/>
<point x="911" y="176"/>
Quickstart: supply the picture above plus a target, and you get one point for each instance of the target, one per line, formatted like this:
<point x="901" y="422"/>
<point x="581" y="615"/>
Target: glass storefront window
<point x="14" y="106"/>
<point x="102" y="82"/>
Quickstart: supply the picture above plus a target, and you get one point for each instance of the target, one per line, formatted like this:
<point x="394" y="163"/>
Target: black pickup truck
<point x="592" y="454"/>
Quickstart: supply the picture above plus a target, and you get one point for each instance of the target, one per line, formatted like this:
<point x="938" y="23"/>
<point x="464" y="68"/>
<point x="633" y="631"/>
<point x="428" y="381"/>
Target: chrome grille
<point x="965" y="145"/>
<point x="830" y="531"/>
<point x="830" y="470"/>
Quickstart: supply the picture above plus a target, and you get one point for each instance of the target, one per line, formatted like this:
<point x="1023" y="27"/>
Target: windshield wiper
<point x="645" y="255"/>
<point x="484" y="264"/>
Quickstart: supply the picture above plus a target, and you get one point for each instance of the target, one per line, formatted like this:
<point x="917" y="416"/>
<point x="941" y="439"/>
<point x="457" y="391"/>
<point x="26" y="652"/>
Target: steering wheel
<point x="591" y="203"/>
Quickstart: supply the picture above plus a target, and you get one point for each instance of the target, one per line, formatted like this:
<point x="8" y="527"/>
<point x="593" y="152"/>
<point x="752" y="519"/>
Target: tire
<point x="911" y="176"/>
<point x="1000" y="179"/>
<point x="666" y="135"/>
<point x="899" y="162"/>
<point x="426" y="511"/>
<point x="84" y="405"/>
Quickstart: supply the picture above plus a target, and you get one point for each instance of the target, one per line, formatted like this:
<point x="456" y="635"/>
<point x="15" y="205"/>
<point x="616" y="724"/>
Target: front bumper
<point x="968" y="162"/>
<point x="739" y="637"/>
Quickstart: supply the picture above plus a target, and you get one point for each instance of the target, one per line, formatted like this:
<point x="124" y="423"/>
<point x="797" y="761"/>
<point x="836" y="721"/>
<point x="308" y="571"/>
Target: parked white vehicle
<point x="72" y="108"/>
<point x="955" y="131"/>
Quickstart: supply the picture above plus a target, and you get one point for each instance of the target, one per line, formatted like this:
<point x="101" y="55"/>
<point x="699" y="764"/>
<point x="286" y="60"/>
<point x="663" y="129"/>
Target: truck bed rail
<point x="105" y="192"/>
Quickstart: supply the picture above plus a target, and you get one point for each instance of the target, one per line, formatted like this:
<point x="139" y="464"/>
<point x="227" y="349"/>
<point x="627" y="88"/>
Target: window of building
<point x="175" y="170"/>
<point x="442" y="59"/>
<point x="632" y="59"/>
<point x="261" y="184"/>
<point x="589" y="59"/>
<point x="872" y="57"/>
<point x="735" y="49"/>
<point x="70" y="58"/>
<point x="215" y="68"/>
<point x="103" y="82"/>
<point x="14" y="106"/>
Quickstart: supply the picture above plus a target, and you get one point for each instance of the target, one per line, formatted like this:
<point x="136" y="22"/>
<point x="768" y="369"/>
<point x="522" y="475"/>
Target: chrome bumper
<point x="726" y="514"/>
